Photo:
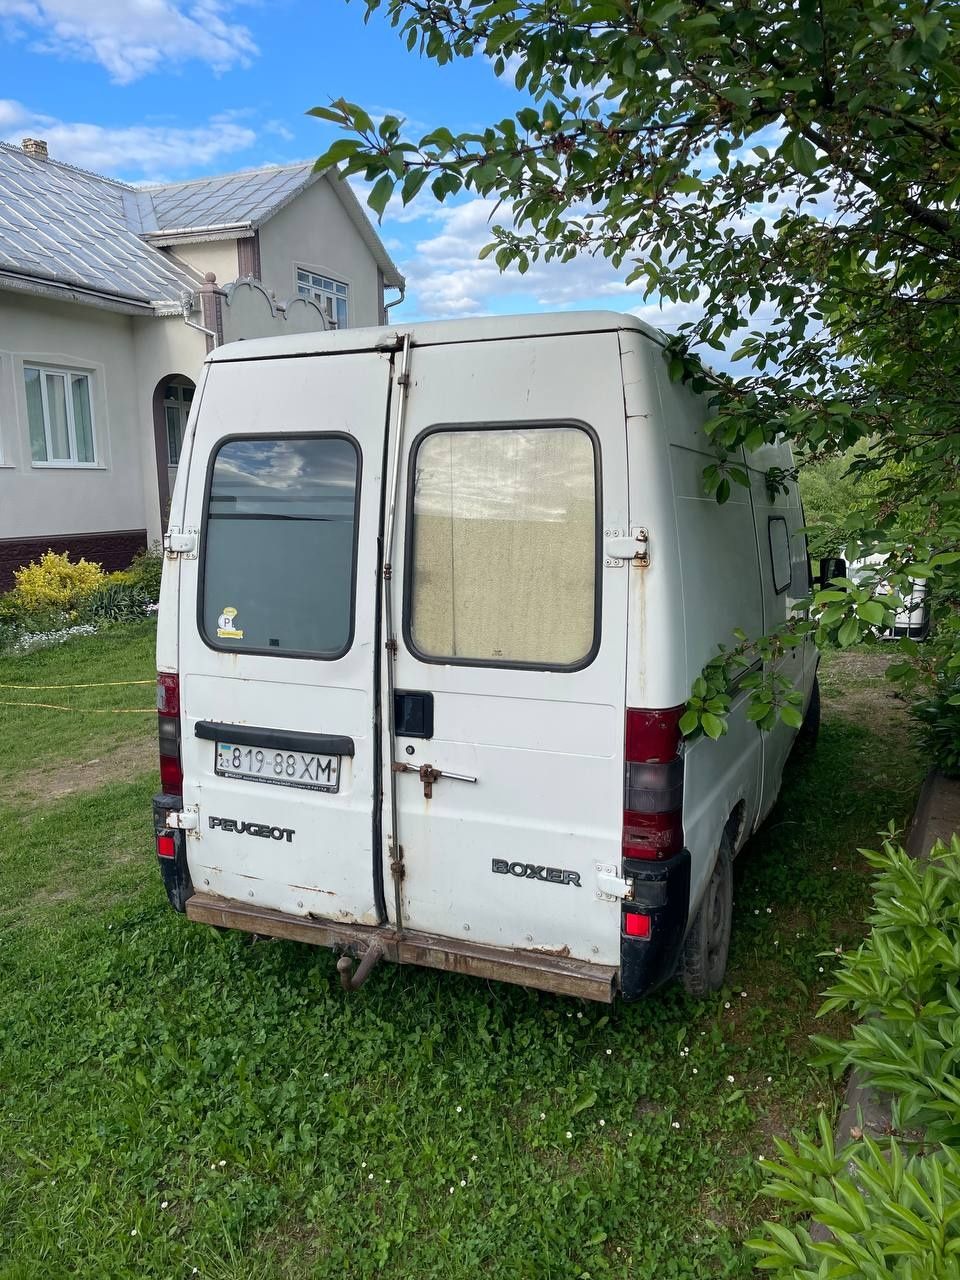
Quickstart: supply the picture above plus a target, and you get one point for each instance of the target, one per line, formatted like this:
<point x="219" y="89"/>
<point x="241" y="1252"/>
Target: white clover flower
<point x="569" y="1134"/>
<point x="451" y="1190"/>
<point x="543" y="1115"/>
<point x="602" y="1123"/>
<point x="729" y="1079"/>
<point x="133" y="1231"/>
<point x="676" y="1124"/>
<point x="363" y="1164"/>
<point x="820" y="970"/>
<point x="756" y="911"/>
<point x="580" y="1015"/>
<point x="609" y="1051"/>
<point x="459" y="1109"/>
<point x="222" y="1163"/>
<point x="473" y="1157"/>
<point x="369" y="1177"/>
<point x="164" y="1204"/>
<point x="726" y="1004"/>
<point x="769" y="911"/>
<point x="463" y="1182"/>
<point x="743" y="995"/>
<point x="695" y="1071"/>
<point x="387" y="1181"/>
<point x="769" y="1079"/>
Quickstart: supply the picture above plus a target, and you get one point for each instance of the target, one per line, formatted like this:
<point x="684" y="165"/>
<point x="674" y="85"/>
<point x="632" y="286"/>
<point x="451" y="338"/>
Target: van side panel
<point x="784" y="579"/>
<point x="718" y="590"/>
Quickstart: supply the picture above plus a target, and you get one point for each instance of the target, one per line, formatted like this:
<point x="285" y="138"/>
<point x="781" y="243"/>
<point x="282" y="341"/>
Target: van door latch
<point x="611" y="885"/>
<point x="620" y="549"/>
<point x="181" y="542"/>
<point x="429" y="775"/>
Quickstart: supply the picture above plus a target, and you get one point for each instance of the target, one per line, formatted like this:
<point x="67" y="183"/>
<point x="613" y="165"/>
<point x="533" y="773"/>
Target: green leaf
<point x="872" y="611"/>
<point x="791" y="716"/>
<point x="688" y="722"/>
<point x="849" y="633"/>
<point x="379" y="197"/>
<point x="584" y="1102"/>
<point x="713" y="726"/>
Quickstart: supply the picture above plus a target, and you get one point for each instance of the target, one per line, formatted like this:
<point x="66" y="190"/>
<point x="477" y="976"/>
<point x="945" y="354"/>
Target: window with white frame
<point x="177" y="398"/>
<point x="330" y="295"/>
<point x="60" y="416"/>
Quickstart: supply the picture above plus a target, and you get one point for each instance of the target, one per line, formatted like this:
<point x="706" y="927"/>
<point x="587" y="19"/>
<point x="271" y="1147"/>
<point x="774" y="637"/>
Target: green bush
<point x="888" y="1214"/>
<point x="937" y="724"/>
<point x="118" y="600"/>
<point x="146" y="568"/>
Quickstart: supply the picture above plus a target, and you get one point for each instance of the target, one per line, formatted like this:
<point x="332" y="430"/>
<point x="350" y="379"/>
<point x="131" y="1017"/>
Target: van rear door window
<point x="503" y="546"/>
<point x="279" y="545"/>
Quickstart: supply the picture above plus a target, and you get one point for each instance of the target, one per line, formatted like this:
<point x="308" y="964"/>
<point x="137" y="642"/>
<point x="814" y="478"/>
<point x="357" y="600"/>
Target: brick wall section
<point x="113" y="549"/>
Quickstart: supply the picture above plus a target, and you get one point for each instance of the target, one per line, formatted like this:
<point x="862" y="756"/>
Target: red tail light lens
<point x="653" y="737"/>
<point x="168" y="693"/>
<point x="636" y="924"/>
<point x="653" y="784"/>
<point x="166" y="848"/>
<point x="168" y="728"/>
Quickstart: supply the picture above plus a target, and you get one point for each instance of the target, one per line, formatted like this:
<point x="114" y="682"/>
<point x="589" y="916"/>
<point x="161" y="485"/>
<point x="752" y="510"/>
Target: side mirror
<point x="832" y="567"/>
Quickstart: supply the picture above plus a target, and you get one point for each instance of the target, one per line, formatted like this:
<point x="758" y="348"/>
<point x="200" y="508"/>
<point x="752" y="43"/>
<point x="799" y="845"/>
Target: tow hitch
<point x="353" y="979"/>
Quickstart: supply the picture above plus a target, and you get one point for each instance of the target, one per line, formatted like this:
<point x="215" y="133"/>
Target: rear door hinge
<point x="185" y="820"/>
<point x="181" y="542"/>
<point x="611" y="885"/>
<point x="620" y="549"/>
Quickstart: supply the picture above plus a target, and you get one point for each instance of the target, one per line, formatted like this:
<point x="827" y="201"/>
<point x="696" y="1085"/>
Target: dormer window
<point x="332" y="296"/>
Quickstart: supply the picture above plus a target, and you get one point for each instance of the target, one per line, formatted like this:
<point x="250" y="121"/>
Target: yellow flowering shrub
<point x="56" y="582"/>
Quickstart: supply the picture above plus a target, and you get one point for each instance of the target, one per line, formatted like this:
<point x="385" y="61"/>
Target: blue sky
<point x="147" y="90"/>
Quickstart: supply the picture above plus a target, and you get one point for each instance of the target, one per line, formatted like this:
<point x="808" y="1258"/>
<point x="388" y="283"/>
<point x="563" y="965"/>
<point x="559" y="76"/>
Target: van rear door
<point x="277" y="633"/>
<point x="510" y="665"/>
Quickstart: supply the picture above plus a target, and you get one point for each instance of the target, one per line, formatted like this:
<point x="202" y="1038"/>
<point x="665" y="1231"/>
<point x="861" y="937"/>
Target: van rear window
<point x="279" y="545"/>
<point x="503" y="548"/>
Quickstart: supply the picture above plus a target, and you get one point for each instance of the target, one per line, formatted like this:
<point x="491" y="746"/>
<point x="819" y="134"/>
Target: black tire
<point x="703" y="961"/>
<point x="809" y="731"/>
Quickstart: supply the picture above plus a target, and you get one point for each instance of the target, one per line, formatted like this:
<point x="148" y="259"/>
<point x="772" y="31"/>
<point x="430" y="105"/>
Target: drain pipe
<point x="186" y="305"/>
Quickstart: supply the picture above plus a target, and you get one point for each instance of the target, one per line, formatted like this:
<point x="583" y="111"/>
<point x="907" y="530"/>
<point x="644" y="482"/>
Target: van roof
<point x="436" y="333"/>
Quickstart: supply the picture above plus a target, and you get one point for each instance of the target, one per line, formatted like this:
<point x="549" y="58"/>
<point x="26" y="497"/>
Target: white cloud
<point x="134" y="152"/>
<point x="447" y="278"/>
<point x="134" y="38"/>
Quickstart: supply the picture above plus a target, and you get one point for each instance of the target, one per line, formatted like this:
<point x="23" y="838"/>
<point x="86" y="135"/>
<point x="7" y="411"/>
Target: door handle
<point x="429" y="775"/>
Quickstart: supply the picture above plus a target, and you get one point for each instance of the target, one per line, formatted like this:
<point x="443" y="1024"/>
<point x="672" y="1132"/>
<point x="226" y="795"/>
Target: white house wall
<point x="218" y="256"/>
<point x="315" y="231"/>
<point x="163" y="348"/>
<point x="50" y="501"/>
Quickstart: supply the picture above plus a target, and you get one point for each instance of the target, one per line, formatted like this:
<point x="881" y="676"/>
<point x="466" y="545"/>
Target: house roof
<point x="64" y="228"/>
<point x="233" y="203"/>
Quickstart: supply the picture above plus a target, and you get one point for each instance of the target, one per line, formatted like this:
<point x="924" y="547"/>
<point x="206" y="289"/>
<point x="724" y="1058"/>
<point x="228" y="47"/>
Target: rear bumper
<point x="174" y="871"/>
<point x="559" y="974"/>
<point x="661" y="890"/>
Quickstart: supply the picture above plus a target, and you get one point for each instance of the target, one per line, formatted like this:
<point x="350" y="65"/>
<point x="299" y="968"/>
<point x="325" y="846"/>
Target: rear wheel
<point x="703" y="962"/>
<point x="809" y="731"/>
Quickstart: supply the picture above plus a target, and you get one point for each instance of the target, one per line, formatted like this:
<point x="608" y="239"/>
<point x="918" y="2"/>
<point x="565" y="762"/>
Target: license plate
<point x="283" y="768"/>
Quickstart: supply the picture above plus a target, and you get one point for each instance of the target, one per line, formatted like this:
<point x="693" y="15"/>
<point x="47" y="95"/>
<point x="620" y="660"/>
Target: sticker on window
<point x="226" y="624"/>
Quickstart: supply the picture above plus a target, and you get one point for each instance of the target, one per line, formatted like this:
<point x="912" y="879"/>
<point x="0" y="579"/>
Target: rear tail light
<point x="168" y="728"/>
<point x="653" y="784"/>
<point x="636" y="924"/>
<point x="166" y="846"/>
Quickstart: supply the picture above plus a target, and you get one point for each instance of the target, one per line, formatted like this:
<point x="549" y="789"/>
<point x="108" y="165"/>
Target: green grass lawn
<point x="175" y="1098"/>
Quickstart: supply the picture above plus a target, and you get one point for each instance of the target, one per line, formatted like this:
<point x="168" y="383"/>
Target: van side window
<point x="503" y="546"/>
<point x="279" y="545"/>
<point x="779" y="553"/>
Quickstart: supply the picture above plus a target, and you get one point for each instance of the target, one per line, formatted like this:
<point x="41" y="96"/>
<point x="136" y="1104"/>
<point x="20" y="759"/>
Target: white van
<point x="433" y="600"/>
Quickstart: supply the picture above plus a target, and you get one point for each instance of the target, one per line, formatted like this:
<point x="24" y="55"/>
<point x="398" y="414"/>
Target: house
<point x="110" y="297"/>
